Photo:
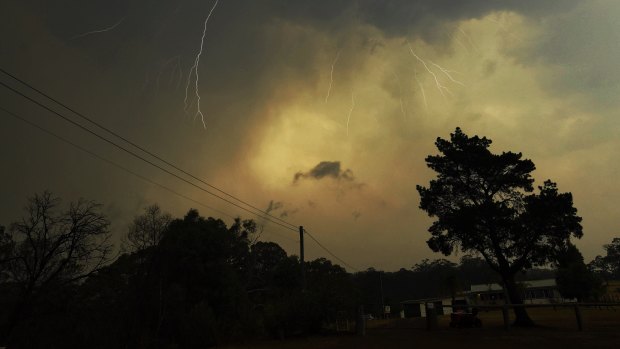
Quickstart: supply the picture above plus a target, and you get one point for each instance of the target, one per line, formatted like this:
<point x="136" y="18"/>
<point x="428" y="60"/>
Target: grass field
<point x="555" y="329"/>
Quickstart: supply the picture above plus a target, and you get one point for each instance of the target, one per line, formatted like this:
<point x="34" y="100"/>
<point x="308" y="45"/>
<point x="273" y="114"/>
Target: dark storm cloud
<point x="274" y="206"/>
<point x="401" y="17"/>
<point x="277" y="208"/>
<point x="258" y="55"/>
<point x="253" y="49"/>
<point x="591" y="54"/>
<point x="420" y="18"/>
<point x="151" y="19"/>
<point x="326" y="169"/>
<point x="288" y="213"/>
<point x="245" y="55"/>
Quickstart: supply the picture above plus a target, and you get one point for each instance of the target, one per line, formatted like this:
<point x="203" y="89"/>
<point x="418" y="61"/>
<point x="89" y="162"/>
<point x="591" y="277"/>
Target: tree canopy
<point x="49" y="248"/>
<point x="608" y="266"/>
<point x="147" y="229"/>
<point x="573" y="277"/>
<point x="485" y="203"/>
<point x="187" y="282"/>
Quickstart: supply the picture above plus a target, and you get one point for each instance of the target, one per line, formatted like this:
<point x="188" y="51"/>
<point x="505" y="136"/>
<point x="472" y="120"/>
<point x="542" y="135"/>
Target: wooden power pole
<point x="301" y="258"/>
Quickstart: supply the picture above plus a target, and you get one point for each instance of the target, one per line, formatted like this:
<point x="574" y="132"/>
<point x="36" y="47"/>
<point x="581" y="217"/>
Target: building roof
<point x="485" y="288"/>
<point x="425" y="300"/>
<point x="496" y="287"/>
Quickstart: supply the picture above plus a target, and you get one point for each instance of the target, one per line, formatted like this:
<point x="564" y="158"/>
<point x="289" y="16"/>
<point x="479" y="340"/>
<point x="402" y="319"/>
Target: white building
<point x="417" y="307"/>
<point x="533" y="292"/>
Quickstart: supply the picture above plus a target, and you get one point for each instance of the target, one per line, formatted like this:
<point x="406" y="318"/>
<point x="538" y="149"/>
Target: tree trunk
<point x="521" y="316"/>
<point x="17" y="315"/>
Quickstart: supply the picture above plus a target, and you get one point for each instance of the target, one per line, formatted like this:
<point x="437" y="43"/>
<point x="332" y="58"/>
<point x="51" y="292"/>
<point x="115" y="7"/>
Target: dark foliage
<point x="430" y="279"/>
<point x="44" y="255"/>
<point x="608" y="266"/>
<point x="189" y="283"/>
<point x="573" y="277"/>
<point x="484" y="203"/>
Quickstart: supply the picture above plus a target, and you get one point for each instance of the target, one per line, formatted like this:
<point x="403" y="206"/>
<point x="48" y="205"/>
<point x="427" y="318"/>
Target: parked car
<point x="463" y="315"/>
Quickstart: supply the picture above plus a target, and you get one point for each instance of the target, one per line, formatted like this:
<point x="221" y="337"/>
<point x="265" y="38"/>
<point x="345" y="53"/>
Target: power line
<point x="110" y="162"/>
<point x="139" y="147"/>
<point x="140" y="157"/>
<point x="262" y="214"/>
<point x="328" y="251"/>
<point x="123" y="168"/>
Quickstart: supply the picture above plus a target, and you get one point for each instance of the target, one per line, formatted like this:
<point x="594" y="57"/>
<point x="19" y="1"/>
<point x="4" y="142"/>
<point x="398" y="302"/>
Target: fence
<point x="577" y="307"/>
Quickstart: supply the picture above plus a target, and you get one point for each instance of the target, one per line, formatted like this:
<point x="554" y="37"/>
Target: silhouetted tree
<point x="6" y="252"/>
<point x="441" y="277"/>
<point x="189" y="282"/>
<point x="53" y="248"/>
<point x="475" y="270"/>
<point x="197" y="296"/>
<point x="573" y="277"/>
<point x="147" y="229"/>
<point x="332" y="288"/>
<point x="608" y="266"/>
<point x="434" y="266"/>
<point x="266" y="258"/>
<point x="483" y="203"/>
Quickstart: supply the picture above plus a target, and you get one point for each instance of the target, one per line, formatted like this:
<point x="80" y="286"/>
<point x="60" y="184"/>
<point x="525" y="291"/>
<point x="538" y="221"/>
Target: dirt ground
<point x="555" y="329"/>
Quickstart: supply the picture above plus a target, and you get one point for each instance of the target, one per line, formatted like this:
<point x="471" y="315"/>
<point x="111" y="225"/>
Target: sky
<point x="320" y="112"/>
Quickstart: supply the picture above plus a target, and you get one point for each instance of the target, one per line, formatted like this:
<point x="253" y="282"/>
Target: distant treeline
<point x="429" y="279"/>
<point x="186" y="282"/>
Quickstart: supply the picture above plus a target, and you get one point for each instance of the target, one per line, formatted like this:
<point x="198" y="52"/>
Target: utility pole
<point x="301" y="258"/>
<point x="382" y="299"/>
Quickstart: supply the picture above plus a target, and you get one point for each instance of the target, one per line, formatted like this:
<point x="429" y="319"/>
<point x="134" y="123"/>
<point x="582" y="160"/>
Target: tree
<point x="434" y="266"/>
<point x="475" y="270"/>
<point x="608" y="266"/>
<point x="147" y="229"/>
<point x="6" y="252"/>
<point x="54" y="248"/>
<point x="441" y="275"/>
<point x="484" y="203"/>
<point x="58" y="246"/>
<point x="265" y="257"/>
<point x="573" y="277"/>
<point x="199" y="293"/>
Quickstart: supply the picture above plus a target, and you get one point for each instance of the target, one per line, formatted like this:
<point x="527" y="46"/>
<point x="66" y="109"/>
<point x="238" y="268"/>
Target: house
<point x="533" y="292"/>
<point x="612" y="291"/>
<point x="417" y="307"/>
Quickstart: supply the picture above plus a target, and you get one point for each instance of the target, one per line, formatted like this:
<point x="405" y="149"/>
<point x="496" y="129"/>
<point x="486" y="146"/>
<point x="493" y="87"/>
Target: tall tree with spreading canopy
<point x="485" y="203"/>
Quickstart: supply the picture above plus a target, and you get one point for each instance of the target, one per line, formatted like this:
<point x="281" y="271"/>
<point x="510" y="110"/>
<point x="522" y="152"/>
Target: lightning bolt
<point x="147" y="81"/>
<point x="471" y="41"/>
<point x="459" y="42"/>
<point x="179" y="69"/>
<point x="415" y="72"/>
<point x="331" y="75"/>
<point x="99" y="30"/>
<point x="350" y="111"/>
<point x="440" y="87"/>
<point x="194" y="69"/>
<point x="176" y="68"/>
<point x="502" y="26"/>
<point x="447" y="72"/>
<point x="400" y="88"/>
